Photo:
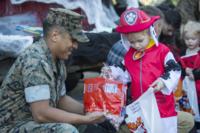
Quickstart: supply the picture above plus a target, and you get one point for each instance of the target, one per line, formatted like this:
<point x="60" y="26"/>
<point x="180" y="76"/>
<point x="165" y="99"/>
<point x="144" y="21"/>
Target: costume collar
<point x="151" y="44"/>
<point x="139" y="54"/>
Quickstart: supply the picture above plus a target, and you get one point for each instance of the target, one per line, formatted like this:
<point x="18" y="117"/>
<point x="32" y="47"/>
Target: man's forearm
<point x="56" y="115"/>
<point x="71" y="105"/>
<point x="42" y="112"/>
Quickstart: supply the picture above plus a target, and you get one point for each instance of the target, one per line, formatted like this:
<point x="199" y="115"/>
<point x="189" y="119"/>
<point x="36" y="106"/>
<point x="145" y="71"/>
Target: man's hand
<point x="157" y="85"/>
<point x="95" y="117"/>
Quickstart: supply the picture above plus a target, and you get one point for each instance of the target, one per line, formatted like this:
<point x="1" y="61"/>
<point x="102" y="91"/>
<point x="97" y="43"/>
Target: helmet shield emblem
<point x="130" y="17"/>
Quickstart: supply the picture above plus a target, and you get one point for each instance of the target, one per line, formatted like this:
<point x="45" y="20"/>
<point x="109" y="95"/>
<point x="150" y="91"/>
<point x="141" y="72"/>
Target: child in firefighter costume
<point x="148" y="63"/>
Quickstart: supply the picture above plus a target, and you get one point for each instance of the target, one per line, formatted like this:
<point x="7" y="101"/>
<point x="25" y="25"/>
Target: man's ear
<point x="54" y="35"/>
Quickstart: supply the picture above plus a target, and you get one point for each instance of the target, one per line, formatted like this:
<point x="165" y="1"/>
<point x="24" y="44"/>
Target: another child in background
<point x="170" y="32"/>
<point x="190" y="58"/>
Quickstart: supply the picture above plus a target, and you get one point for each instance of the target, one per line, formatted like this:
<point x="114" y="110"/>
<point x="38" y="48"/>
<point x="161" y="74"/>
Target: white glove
<point x="115" y="73"/>
<point x="120" y="75"/>
<point x="157" y="85"/>
<point x="106" y="72"/>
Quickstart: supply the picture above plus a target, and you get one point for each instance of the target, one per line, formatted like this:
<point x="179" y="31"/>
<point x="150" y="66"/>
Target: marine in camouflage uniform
<point x="35" y="76"/>
<point x="34" y="67"/>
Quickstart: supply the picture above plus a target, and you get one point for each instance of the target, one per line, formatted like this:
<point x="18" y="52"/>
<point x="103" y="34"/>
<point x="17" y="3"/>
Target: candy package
<point x="105" y="95"/>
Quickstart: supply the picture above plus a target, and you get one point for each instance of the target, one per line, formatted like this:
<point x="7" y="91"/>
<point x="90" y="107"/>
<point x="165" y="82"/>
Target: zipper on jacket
<point x="141" y="88"/>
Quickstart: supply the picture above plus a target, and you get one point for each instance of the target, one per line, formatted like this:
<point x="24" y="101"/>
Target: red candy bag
<point x="105" y="95"/>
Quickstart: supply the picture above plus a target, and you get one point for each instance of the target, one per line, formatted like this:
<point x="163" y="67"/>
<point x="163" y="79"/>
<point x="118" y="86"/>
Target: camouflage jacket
<point x="35" y="66"/>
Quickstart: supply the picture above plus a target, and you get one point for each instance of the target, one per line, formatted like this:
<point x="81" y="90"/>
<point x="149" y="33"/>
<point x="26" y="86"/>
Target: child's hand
<point x="188" y="71"/>
<point x="191" y="76"/>
<point x="157" y="85"/>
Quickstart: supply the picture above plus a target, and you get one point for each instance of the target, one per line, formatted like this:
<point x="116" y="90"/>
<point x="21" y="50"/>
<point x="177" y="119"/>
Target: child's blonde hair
<point x="190" y="26"/>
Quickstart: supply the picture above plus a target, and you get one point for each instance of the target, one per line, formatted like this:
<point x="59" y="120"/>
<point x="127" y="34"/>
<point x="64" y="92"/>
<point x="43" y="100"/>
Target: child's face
<point x="167" y="29"/>
<point x="191" y="40"/>
<point x="139" y="40"/>
<point x="158" y="25"/>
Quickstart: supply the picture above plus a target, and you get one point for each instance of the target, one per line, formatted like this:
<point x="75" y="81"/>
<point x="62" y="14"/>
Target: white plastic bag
<point x="190" y="88"/>
<point x="13" y="45"/>
<point x="143" y="114"/>
<point x="94" y="10"/>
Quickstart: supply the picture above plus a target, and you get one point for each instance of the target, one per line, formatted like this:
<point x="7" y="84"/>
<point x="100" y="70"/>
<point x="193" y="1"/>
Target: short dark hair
<point x="47" y="27"/>
<point x="152" y="11"/>
<point x="172" y="16"/>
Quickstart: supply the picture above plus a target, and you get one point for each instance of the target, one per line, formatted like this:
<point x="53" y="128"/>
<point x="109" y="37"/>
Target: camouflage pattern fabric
<point x="33" y="127"/>
<point x="35" y="66"/>
<point x="68" y="19"/>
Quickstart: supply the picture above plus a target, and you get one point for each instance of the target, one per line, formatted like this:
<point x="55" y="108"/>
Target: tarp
<point x="8" y="9"/>
<point x="101" y="16"/>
